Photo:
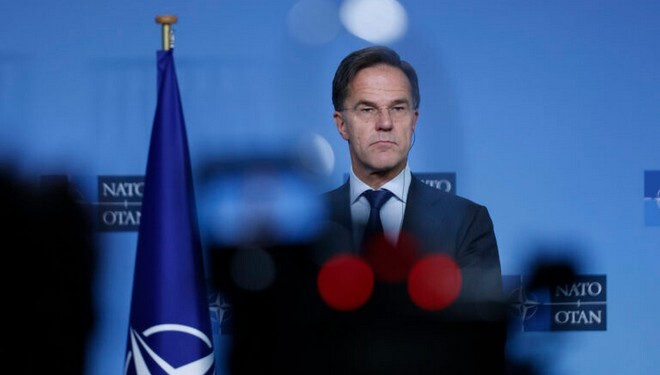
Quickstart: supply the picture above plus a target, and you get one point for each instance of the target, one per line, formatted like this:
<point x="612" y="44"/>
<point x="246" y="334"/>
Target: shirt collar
<point x="398" y="185"/>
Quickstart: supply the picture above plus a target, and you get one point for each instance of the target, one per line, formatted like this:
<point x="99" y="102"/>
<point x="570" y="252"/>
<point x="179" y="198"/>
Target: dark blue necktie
<point x="377" y="199"/>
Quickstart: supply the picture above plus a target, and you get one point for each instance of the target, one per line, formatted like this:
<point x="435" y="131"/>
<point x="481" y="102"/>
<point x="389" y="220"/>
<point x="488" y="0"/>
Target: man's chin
<point x="385" y="167"/>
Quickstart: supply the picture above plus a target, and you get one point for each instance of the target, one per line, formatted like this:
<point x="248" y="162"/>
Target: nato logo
<point x="119" y="203"/>
<point x="652" y="198"/>
<point x="578" y="305"/>
<point x="144" y="356"/>
<point x="443" y="180"/>
<point x="221" y="313"/>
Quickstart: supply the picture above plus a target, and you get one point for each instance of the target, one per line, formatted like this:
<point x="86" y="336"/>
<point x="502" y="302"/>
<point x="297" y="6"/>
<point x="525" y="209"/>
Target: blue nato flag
<point x="170" y="325"/>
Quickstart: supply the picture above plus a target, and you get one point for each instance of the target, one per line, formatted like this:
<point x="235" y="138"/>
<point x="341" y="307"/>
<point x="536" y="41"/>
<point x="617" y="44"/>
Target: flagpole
<point x="170" y="322"/>
<point x="168" y="37"/>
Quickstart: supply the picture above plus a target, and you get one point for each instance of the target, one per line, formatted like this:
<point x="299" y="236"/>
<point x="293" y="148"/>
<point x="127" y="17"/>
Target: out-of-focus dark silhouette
<point x="548" y="272"/>
<point x="280" y="321"/>
<point x="544" y="273"/>
<point x="48" y="265"/>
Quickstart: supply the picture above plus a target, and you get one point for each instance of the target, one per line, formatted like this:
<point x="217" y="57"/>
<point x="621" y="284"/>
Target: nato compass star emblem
<point x="141" y="352"/>
<point x="221" y="313"/>
<point x="524" y="304"/>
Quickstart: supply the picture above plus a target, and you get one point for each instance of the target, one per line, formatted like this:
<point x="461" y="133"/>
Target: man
<point x="376" y="100"/>
<point x="308" y="321"/>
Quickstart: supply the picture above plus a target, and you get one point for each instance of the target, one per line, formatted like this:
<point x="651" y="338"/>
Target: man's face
<point x="378" y="121"/>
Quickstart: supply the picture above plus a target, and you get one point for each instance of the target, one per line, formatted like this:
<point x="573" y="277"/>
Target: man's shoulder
<point x="338" y="191"/>
<point x="434" y="196"/>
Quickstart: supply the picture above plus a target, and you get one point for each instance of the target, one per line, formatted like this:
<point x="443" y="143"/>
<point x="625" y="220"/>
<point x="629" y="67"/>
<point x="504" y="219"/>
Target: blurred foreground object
<point x="49" y="264"/>
<point x="303" y="303"/>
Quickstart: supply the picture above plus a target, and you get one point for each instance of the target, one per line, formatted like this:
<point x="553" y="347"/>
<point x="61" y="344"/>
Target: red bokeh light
<point x="434" y="282"/>
<point x="392" y="263"/>
<point x="345" y="282"/>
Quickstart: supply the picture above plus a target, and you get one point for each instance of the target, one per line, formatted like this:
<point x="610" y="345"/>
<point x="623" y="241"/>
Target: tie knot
<point x="377" y="198"/>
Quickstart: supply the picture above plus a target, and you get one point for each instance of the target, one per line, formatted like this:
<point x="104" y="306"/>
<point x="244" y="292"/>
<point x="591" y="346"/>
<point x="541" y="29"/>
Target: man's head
<point x="376" y="98"/>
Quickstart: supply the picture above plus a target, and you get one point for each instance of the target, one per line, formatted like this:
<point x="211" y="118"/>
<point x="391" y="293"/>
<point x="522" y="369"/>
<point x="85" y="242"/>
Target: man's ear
<point x="341" y="125"/>
<point x="414" y="125"/>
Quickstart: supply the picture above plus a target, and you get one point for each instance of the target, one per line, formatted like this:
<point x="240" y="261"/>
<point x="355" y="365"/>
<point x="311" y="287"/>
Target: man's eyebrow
<point x="369" y="103"/>
<point x="364" y="103"/>
<point x="400" y="101"/>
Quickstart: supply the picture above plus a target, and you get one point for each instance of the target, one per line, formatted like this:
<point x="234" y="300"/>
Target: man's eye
<point x="399" y="108"/>
<point x="366" y="110"/>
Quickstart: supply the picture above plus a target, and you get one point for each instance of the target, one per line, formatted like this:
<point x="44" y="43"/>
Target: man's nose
<point x="384" y="119"/>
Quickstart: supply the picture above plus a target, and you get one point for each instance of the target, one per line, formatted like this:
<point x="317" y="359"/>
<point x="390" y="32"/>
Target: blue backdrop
<point x="547" y="111"/>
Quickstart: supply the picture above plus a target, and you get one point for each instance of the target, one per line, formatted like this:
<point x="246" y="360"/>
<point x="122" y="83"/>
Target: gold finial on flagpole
<point x="168" y="35"/>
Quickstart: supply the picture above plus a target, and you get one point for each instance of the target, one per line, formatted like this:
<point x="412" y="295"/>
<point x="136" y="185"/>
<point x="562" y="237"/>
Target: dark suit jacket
<point x="465" y="338"/>
<point x="440" y="223"/>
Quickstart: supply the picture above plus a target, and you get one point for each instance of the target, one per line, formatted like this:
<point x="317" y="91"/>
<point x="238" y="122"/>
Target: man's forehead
<point x="380" y="70"/>
<point x="380" y="83"/>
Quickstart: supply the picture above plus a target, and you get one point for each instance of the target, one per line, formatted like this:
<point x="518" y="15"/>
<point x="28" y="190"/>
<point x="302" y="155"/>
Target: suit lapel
<point x="421" y="217"/>
<point x="339" y="208"/>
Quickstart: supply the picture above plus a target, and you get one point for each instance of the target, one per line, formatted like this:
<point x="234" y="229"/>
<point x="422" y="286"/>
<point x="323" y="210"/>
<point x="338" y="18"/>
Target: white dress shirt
<point x="391" y="214"/>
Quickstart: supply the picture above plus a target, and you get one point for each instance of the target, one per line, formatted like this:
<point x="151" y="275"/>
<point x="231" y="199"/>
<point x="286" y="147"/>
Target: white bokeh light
<point x="316" y="155"/>
<point x="376" y="21"/>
